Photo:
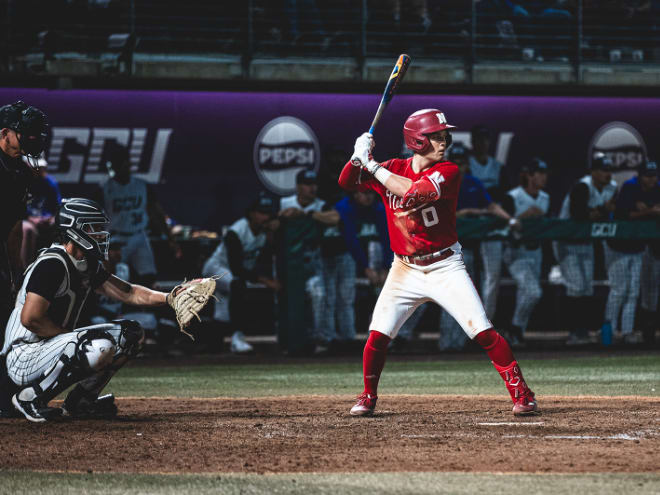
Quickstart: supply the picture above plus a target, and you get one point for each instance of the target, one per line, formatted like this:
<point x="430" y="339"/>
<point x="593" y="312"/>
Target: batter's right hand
<point x="362" y="150"/>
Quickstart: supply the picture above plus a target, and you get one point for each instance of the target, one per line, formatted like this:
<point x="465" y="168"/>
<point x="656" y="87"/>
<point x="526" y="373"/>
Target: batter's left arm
<point x="133" y="294"/>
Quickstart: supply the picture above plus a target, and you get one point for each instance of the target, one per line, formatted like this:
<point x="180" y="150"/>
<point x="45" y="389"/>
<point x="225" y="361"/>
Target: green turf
<point x="596" y="375"/>
<point x="329" y="484"/>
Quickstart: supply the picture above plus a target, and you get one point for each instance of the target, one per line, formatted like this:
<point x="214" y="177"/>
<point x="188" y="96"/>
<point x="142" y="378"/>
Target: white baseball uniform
<point x="428" y="265"/>
<point x="218" y="263"/>
<point x="491" y="251"/>
<point x="524" y="259"/>
<point x="126" y="205"/>
<point x="314" y="286"/>
<point x="54" y="277"/>
<point x="576" y="259"/>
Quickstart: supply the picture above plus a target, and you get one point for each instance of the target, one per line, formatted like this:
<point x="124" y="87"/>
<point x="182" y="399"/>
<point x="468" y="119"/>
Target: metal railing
<point x="566" y="31"/>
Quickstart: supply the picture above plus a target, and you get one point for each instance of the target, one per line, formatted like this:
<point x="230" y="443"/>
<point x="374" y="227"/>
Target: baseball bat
<point x="398" y="72"/>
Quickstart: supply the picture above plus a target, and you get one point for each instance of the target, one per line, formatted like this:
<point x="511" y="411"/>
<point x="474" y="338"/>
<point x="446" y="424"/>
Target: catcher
<point x="46" y="353"/>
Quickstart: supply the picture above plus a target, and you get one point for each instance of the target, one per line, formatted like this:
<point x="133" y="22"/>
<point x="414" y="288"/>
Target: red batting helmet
<point x="421" y="123"/>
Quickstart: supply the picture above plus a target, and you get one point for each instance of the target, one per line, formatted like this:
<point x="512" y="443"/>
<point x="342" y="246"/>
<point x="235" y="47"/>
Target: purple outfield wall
<point x="209" y="153"/>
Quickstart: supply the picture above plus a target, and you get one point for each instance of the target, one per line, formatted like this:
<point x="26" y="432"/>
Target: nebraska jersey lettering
<point x="426" y="221"/>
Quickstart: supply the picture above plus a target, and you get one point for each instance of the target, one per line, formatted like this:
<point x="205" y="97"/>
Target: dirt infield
<point x="316" y="434"/>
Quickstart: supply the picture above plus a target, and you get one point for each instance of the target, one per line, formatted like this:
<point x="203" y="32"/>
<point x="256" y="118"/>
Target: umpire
<point x="23" y="133"/>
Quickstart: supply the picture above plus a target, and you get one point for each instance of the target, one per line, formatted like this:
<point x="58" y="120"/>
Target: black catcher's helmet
<point x="84" y="222"/>
<point x="31" y="124"/>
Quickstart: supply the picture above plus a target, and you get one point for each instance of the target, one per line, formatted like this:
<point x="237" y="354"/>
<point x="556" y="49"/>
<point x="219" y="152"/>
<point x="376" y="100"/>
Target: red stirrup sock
<point x="496" y="347"/>
<point x="500" y="354"/>
<point x="373" y="360"/>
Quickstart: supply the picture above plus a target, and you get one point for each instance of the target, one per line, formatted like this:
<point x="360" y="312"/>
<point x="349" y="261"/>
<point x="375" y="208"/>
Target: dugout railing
<point x="300" y="234"/>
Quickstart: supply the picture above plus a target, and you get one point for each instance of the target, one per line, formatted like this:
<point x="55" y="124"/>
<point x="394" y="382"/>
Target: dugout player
<point x="524" y="258"/>
<point x="637" y="200"/>
<point x="245" y="255"/>
<point x="23" y="133"/>
<point x="133" y="208"/>
<point x="473" y="201"/>
<point x="649" y="205"/>
<point x="45" y="352"/>
<point x="306" y="202"/>
<point x="420" y="194"/>
<point x="592" y="200"/>
<point x="363" y="227"/>
<point x="490" y="172"/>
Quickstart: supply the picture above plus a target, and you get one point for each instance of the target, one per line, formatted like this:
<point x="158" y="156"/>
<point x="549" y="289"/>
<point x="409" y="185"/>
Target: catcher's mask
<point x="84" y="222"/>
<point x="31" y="127"/>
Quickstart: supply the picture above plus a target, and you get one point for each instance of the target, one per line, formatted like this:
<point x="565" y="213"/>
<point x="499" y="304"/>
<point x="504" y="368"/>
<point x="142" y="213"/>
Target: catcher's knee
<point x="95" y="350"/>
<point x="131" y="337"/>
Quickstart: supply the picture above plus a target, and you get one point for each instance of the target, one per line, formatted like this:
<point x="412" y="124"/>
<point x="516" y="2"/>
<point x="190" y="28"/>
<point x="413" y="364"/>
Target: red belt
<point x="427" y="259"/>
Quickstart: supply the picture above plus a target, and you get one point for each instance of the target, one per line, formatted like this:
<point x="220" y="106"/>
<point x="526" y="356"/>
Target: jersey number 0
<point x="430" y="216"/>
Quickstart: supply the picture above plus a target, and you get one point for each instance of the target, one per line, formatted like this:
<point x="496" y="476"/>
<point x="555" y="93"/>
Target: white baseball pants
<point x="446" y="283"/>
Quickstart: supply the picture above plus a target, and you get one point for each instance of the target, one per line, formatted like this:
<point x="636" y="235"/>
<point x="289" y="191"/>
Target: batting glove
<point x="371" y="166"/>
<point x="362" y="150"/>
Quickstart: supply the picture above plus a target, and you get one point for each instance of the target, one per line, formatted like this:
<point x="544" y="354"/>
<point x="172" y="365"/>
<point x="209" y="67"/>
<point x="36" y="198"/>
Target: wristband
<point x="382" y="174"/>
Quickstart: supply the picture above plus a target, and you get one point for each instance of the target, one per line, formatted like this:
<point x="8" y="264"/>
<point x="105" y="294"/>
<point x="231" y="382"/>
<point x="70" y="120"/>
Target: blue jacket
<point x="352" y="217"/>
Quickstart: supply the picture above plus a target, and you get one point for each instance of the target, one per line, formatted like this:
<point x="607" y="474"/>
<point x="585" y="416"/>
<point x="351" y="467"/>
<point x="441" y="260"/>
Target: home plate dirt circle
<point x="316" y="434"/>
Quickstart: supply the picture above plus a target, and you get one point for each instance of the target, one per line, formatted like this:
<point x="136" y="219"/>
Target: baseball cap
<point x="648" y="168"/>
<point x="306" y="177"/>
<point x="480" y="131"/>
<point x="457" y="150"/>
<point x="537" y="165"/>
<point x="263" y="204"/>
<point x="601" y="161"/>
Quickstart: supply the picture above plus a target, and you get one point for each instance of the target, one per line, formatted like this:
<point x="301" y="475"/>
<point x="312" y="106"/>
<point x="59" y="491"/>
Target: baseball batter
<point x="420" y="195"/>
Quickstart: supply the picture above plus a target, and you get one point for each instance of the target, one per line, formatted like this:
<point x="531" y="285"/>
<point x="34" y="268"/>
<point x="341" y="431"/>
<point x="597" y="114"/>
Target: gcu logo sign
<point x="75" y="154"/>
<point x="603" y="230"/>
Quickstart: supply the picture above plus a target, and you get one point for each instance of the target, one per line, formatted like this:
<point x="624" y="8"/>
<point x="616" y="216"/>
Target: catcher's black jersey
<point x="54" y="277"/>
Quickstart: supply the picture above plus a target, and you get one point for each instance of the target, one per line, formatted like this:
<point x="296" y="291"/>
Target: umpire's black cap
<point x="306" y="176"/>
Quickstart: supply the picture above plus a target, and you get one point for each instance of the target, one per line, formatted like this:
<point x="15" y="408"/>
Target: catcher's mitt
<point x="188" y="299"/>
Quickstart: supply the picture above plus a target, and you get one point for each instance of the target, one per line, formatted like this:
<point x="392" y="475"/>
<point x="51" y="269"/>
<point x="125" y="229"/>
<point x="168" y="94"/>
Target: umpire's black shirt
<point x="15" y="178"/>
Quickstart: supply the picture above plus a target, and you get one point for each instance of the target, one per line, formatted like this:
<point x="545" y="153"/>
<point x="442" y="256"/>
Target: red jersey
<point x="424" y="221"/>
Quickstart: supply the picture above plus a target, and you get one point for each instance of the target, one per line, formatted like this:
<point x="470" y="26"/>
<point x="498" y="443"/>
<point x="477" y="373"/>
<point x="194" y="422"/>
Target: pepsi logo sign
<point x="622" y="143"/>
<point x="285" y="146"/>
